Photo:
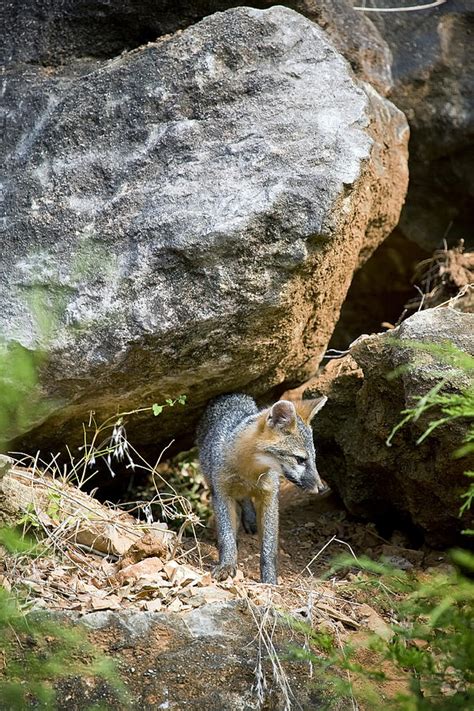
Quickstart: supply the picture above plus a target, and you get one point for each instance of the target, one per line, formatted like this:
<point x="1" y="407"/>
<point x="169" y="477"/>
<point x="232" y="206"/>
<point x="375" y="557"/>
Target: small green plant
<point x="431" y="646"/>
<point x="468" y="495"/>
<point x="36" y="651"/>
<point x="450" y="405"/>
<point x="29" y="520"/>
<point x="20" y="404"/>
<point x="169" y="402"/>
<point x="16" y="544"/>
<point x="444" y="406"/>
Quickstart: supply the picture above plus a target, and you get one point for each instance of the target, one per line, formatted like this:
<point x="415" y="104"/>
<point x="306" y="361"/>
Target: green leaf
<point x="465" y="559"/>
<point x="16" y="543"/>
<point x="157" y="409"/>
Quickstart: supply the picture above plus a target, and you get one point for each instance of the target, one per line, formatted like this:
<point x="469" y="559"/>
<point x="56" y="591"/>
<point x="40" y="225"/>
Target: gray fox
<point x="242" y="452"/>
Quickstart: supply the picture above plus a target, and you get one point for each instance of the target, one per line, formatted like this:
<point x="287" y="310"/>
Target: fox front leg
<point x="267" y="515"/>
<point x="226" y="525"/>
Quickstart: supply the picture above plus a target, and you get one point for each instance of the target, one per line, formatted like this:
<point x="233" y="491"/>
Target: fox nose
<point x="321" y="487"/>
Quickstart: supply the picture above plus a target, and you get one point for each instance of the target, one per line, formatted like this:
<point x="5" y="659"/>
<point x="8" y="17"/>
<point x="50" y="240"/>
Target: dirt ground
<point x="313" y="531"/>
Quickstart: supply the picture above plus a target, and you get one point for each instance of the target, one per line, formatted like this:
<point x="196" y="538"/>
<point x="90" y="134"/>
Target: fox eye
<point x="300" y="460"/>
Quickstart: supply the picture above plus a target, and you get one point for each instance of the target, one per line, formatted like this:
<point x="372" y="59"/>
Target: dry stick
<point x="320" y="594"/>
<point x="154" y="472"/>
<point x="37" y="481"/>
<point x="160" y="456"/>
<point x="62" y="547"/>
<point x="260" y="679"/>
<point x="278" y="671"/>
<point x="309" y="615"/>
<point x="334" y="353"/>
<point x="138" y="504"/>
<point x="62" y="551"/>
<point x="98" y="519"/>
<point x="344" y="543"/>
<point x="170" y="512"/>
<point x="411" y="8"/>
<point x="197" y="547"/>
<point x="89" y="549"/>
<point x="55" y="537"/>
<point x="462" y="292"/>
<point x="83" y="463"/>
<point x="189" y="516"/>
<point x="18" y="640"/>
<point x="423" y="296"/>
<point x="262" y="635"/>
<point x="81" y="478"/>
<point x="307" y="567"/>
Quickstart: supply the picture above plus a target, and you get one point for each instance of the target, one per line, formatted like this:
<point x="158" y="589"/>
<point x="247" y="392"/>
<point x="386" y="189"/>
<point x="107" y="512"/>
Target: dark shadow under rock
<point x="379" y="290"/>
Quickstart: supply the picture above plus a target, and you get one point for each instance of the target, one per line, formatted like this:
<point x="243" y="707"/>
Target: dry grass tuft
<point x="447" y="275"/>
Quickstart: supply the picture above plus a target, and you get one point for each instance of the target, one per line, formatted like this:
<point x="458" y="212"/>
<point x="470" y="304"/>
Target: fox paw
<point x="224" y="570"/>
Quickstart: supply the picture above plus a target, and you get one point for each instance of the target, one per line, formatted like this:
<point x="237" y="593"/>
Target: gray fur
<point x="224" y="417"/>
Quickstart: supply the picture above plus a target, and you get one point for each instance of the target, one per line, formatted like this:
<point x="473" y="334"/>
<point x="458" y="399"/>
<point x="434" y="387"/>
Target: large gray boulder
<point x="405" y="485"/>
<point x="187" y="218"/>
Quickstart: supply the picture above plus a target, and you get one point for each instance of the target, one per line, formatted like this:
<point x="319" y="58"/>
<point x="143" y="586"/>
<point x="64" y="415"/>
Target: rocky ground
<point x="182" y="640"/>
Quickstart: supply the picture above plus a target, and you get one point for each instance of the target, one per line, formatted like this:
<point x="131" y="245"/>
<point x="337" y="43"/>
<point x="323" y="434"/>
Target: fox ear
<point x="282" y="415"/>
<point x="307" y="409"/>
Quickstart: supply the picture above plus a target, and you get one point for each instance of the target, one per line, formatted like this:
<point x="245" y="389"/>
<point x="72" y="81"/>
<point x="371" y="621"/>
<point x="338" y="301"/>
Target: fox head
<point x="285" y="442"/>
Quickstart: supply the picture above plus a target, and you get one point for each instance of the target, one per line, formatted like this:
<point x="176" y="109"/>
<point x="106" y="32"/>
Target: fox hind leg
<point x="248" y="516"/>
